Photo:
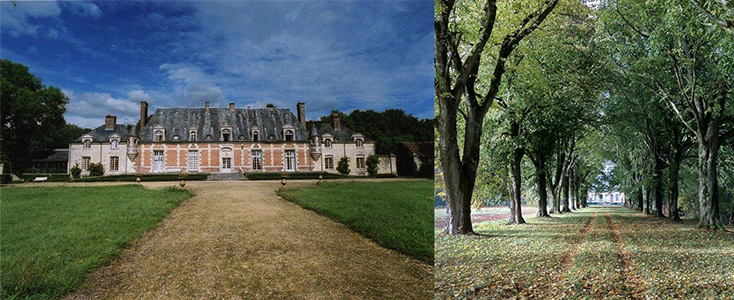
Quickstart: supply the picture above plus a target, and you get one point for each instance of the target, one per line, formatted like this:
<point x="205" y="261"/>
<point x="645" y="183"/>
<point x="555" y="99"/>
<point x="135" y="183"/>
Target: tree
<point x="76" y="171"/>
<point x="373" y="164"/>
<point x="457" y="65"/>
<point x="96" y="169"/>
<point x="31" y="114"/>
<point x="725" y="6"/>
<point x="343" y="165"/>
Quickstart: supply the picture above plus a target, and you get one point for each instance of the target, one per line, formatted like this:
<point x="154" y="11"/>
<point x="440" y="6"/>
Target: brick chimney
<point x="335" y="122"/>
<point x="301" y="109"/>
<point x="206" y="106"/>
<point x="110" y="122"/>
<point x="231" y="106"/>
<point x="143" y="115"/>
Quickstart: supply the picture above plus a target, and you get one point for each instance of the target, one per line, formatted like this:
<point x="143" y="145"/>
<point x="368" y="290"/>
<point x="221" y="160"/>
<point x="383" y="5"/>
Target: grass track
<point x="395" y="214"/>
<point x="53" y="236"/>
<point x="626" y="255"/>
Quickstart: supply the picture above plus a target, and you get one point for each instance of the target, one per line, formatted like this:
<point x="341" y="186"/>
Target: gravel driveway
<point x="238" y="240"/>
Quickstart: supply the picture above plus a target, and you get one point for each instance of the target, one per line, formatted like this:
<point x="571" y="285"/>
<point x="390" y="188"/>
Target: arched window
<point x="87" y="144"/>
<point x="255" y="136"/>
<point x="226" y="135"/>
<point x="288" y="135"/>
<point x="158" y="136"/>
<point x="359" y="143"/>
<point x="327" y="143"/>
<point x="192" y="136"/>
<point x="114" y="144"/>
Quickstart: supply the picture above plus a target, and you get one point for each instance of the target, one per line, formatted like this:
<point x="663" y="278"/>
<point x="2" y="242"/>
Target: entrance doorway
<point x="226" y="165"/>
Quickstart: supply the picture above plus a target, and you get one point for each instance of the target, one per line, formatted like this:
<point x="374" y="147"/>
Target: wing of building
<point x="223" y="140"/>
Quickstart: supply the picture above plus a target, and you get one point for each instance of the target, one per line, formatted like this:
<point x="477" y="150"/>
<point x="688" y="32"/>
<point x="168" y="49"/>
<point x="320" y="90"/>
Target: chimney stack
<point x="206" y="106"/>
<point x="110" y="122"/>
<point x="335" y="122"/>
<point x="231" y="106"/>
<point x="143" y="115"/>
<point x="301" y="109"/>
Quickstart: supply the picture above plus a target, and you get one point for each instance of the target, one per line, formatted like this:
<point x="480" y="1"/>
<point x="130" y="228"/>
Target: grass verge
<point x="53" y="236"/>
<point x="395" y="214"/>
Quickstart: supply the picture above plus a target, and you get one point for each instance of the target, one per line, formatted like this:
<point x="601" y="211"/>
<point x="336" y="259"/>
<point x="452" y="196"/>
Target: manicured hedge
<point x="296" y="175"/>
<point x="144" y="177"/>
<point x="385" y="176"/>
<point x="51" y="177"/>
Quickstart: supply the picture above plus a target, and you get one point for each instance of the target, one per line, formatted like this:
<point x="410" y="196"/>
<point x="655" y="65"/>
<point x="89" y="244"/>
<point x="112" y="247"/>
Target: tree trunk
<point x="646" y="198"/>
<point x="564" y="190"/>
<point x="657" y="189"/>
<point x="673" y="169"/>
<point x="459" y="180"/>
<point x="708" y="186"/>
<point x="516" y="188"/>
<point x="540" y="181"/>
<point x="555" y="201"/>
<point x="571" y="191"/>
<point x="640" y="200"/>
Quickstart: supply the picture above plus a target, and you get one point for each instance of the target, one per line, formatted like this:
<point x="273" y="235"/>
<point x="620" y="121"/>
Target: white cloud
<point x="17" y="15"/>
<point x="89" y="109"/>
<point x="83" y="8"/>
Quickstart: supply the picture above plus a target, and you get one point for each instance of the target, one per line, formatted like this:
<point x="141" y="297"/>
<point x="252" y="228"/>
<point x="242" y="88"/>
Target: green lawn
<point x="620" y="254"/>
<point x="53" y="236"/>
<point x="395" y="214"/>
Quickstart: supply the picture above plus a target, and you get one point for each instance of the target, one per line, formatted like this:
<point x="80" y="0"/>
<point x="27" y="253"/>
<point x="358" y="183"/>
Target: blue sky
<point x="108" y="56"/>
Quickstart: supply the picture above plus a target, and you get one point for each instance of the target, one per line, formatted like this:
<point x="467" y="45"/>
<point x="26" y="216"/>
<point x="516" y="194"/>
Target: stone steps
<point x="226" y="177"/>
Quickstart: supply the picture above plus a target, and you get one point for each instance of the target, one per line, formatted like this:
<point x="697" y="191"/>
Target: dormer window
<point x="255" y="132"/>
<point x="192" y="135"/>
<point x="87" y="144"/>
<point x="288" y="135"/>
<point x="114" y="143"/>
<point x="226" y="135"/>
<point x="158" y="136"/>
<point x="359" y="143"/>
<point x="208" y="137"/>
<point x="176" y="137"/>
<point x="327" y="143"/>
<point x="271" y="137"/>
<point x="241" y="137"/>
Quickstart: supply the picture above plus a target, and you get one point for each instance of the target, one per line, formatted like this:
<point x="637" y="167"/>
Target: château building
<point x="224" y="140"/>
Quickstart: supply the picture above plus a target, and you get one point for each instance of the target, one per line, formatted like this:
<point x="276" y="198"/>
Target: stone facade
<point x="224" y="140"/>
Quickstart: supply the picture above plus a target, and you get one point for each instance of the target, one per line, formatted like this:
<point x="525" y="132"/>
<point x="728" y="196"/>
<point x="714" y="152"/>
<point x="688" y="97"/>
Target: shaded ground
<point x="484" y="214"/>
<point x="239" y="240"/>
<point x="597" y="253"/>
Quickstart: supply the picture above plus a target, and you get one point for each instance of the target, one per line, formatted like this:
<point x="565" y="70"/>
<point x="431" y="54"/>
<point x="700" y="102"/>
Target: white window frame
<point x="329" y="162"/>
<point x="328" y="143"/>
<point x="114" y="144"/>
<point x="192" y="135"/>
<point x="357" y="160"/>
<point x="287" y="158"/>
<point x="156" y="135"/>
<point x="114" y="165"/>
<point x="87" y="144"/>
<point x="192" y="161"/>
<point x="257" y="159"/>
<point x="86" y="160"/>
<point x="360" y="143"/>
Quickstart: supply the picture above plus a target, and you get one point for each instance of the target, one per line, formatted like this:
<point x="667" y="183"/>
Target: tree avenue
<point x="540" y="102"/>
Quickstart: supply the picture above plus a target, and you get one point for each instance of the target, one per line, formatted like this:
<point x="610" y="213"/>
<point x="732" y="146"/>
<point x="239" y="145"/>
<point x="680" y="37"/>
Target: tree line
<point x="534" y="98"/>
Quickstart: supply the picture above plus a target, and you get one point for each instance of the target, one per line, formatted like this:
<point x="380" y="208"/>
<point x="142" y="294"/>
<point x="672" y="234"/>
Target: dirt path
<point x="239" y="240"/>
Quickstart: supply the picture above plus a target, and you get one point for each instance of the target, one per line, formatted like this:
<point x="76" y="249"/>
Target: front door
<point x="226" y="165"/>
<point x="290" y="160"/>
<point x="158" y="161"/>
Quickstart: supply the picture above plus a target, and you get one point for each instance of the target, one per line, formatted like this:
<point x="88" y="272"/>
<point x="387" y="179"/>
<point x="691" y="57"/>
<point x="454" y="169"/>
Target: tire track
<point x="633" y="284"/>
<point x="570" y="256"/>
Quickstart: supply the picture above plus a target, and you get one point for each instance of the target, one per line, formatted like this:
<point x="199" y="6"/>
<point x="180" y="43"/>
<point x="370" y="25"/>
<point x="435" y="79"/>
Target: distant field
<point x="395" y="214"/>
<point x="53" y="236"/>
<point x="484" y="214"/>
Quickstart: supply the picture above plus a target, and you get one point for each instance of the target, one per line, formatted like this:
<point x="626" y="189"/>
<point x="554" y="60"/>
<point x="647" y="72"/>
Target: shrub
<point x="373" y="164"/>
<point x="96" y="169"/>
<point x="76" y="171"/>
<point x="296" y="175"/>
<point x="145" y="177"/>
<point x="343" y="166"/>
<point x="426" y="169"/>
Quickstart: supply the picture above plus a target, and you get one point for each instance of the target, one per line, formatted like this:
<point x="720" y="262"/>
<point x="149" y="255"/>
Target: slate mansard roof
<point x="100" y="134"/>
<point x="179" y="121"/>
<point x="340" y="135"/>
